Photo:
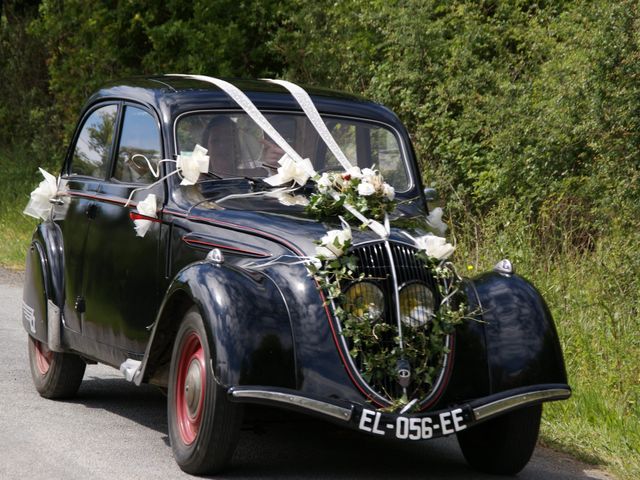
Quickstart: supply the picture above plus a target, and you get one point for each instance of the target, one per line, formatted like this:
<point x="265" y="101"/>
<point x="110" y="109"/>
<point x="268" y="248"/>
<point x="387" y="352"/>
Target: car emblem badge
<point x="404" y="373"/>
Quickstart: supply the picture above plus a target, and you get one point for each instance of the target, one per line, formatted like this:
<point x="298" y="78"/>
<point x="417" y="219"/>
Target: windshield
<point x="238" y="147"/>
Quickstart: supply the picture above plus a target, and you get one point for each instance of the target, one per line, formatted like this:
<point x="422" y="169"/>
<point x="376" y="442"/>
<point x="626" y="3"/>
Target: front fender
<point x="522" y="344"/>
<point x="247" y="322"/>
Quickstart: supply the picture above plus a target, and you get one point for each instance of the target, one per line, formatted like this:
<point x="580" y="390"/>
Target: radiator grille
<point x="374" y="262"/>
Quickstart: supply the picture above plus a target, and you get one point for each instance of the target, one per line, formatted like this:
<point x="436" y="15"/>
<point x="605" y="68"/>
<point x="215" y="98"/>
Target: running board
<point x="130" y="368"/>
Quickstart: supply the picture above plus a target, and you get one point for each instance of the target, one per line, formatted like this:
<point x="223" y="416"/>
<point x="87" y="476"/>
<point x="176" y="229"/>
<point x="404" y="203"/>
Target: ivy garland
<point x="374" y="344"/>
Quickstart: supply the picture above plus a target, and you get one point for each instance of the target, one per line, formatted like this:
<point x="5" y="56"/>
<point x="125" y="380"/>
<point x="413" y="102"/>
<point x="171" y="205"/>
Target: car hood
<point x="281" y="218"/>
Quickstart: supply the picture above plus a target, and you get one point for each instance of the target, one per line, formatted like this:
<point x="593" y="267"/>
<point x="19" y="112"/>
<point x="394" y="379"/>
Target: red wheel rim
<point x="44" y="357"/>
<point x="190" y="386"/>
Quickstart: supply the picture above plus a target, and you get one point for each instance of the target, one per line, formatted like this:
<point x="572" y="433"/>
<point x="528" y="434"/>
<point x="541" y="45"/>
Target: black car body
<point x="96" y="292"/>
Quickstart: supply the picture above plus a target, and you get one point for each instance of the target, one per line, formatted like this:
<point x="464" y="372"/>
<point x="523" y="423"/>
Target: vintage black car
<point x="207" y="300"/>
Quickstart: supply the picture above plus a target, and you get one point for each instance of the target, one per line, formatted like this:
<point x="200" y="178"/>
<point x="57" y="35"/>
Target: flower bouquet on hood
<point x="364" y="189"/>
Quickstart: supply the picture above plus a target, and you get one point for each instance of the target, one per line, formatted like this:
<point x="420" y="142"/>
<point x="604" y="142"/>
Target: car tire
<point x="504" y="445"/>
<point x="203" y="424"/>
<point x="55" y="375"/>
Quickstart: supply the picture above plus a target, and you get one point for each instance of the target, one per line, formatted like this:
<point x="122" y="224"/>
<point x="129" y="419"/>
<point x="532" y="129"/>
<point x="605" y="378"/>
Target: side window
<point x="140" y="140"/>
<point x="93" y="148"/>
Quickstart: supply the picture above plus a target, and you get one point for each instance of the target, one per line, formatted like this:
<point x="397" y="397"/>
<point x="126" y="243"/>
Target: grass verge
<point x="18" y="177"/>
<point x="593" y="294"/>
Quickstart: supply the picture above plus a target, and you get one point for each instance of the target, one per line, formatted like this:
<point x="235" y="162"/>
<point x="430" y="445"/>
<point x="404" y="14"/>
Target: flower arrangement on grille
<point x="372" y="343"/>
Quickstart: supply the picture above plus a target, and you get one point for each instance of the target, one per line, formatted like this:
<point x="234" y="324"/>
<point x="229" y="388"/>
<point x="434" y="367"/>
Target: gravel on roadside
<point x="11" y="277"/>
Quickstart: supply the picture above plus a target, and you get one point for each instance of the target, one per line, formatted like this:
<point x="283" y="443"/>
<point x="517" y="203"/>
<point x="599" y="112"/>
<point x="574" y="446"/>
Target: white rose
<point x="334" y="243"/>
<point x="372" y="176"/>
<point x="39" y="206"/>
<point x="192" y="165"/>
<point x="369" y="173"/>
<point x="434" y="246"/>
<point x="366" y="189"/>
<point x="324" y="183"/>
<point x="388" y="191"/>
<point x="148" y="207"/>
<point x="354" y="172"/>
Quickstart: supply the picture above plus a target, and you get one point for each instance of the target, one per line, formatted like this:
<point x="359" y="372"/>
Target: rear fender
<point x="247" y="323"/>
<point x="522" y="344"/>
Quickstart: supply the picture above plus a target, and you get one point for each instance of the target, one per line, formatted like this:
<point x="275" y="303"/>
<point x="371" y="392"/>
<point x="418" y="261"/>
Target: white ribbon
<point x="291" y="170"/>
<point x="192" y="165"/>
<point x="188" y="167"/>
<point x="147" y="207"/>
<point x="304" y="100"/>
<point x="39" y="206"/>
<point x="299" y="260"/>
<point x="247" y="105"/>
<point x="292" y="166"/>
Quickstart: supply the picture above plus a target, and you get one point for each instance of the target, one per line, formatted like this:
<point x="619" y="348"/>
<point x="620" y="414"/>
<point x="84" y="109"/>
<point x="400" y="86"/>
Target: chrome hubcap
<point x="193" y="388"/>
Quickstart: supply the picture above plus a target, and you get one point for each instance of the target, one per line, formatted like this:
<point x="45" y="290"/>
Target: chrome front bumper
<point x="417" y="426"/>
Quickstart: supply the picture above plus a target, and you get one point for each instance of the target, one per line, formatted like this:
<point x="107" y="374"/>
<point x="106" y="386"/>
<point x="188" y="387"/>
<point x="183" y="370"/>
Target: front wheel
<point x="55" y="375"/>
<point x="203" y="424"/>
<point x="503" y="445"/>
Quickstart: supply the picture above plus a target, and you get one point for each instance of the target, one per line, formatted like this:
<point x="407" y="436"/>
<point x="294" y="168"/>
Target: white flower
<point x="354" y="172"/>
<point x="388" y="191"/>
<point x="39" y="206"/>
<point x="290" y="170"/>
<point x="369" y="173"/>
<point x="434" y="246"/>
<point x="324" y="183"/>
<point x="366" y="189"/>
<point x="435" y="221"/>
<point x="334" y="243"/>
<point x="148" y="208"/>
<point x="372" y="176"/>
<point x="192" y="165"/>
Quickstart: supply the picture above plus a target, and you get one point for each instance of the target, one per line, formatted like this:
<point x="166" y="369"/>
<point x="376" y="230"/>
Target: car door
<point x="123" y="270"/>
<point x="86" y="166"/>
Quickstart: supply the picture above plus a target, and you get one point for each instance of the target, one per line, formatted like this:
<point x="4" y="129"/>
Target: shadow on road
<point x="279" y="444"/>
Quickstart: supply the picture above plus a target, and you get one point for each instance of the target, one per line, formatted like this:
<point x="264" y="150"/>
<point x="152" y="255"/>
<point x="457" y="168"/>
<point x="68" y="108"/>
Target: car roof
<point x="173" y="95"/>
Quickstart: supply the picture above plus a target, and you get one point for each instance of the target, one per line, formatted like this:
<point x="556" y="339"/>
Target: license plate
<point x="412" y="428"/>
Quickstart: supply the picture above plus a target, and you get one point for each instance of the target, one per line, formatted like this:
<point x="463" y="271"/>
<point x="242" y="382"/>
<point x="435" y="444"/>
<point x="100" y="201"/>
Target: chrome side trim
<point x="500" y="406"/>
<point x="298" y="401"/>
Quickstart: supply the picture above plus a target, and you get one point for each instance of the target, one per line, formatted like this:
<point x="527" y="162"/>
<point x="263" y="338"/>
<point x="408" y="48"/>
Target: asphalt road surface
<point x="114" y="430"/>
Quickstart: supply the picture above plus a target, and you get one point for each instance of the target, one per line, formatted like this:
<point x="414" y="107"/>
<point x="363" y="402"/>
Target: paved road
<point x="114" y="430"/>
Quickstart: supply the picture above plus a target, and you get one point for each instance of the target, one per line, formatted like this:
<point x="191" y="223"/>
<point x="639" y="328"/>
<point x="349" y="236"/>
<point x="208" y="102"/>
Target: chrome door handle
<point x="56" y="201"/>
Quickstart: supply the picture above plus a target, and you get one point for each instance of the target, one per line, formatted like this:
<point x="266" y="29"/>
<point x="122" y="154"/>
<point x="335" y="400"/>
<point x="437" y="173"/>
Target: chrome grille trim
<point x="396" y="292"/>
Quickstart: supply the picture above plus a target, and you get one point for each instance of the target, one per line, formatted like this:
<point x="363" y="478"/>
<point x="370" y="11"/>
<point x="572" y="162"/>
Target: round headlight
<point x="364" y="300"/>
<point x="416" y="305"/>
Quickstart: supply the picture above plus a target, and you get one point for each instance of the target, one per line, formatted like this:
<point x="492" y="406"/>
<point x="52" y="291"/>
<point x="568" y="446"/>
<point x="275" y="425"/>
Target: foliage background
<point x="524" y="114"/>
